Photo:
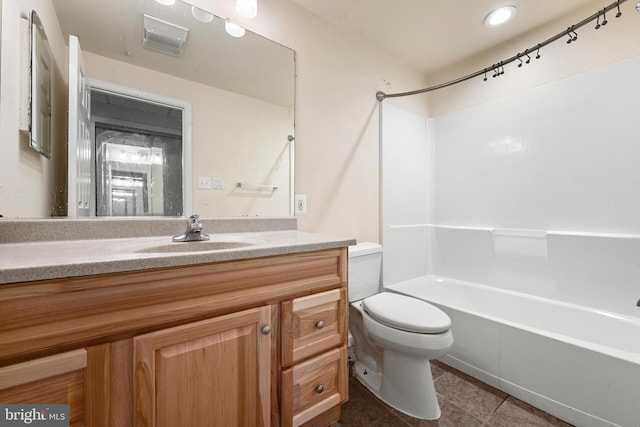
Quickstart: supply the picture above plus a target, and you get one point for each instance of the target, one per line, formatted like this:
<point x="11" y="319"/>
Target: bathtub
<point x="579" y="364"/>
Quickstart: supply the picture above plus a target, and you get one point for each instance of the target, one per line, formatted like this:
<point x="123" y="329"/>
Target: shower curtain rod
<point x="496" y="68"/>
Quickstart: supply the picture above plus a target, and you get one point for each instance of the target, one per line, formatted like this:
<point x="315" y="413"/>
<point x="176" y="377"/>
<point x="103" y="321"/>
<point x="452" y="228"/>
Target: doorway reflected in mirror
<point x="137" y="174"/>
<point x="139" y="156"/>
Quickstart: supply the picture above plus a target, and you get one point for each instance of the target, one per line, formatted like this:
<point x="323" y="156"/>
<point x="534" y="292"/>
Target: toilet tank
<point x="365" y="264"/>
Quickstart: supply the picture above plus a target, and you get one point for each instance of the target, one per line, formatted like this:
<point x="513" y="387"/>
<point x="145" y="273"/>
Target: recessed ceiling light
<point x="499" y="16"/>
<point x="166" y="2"/>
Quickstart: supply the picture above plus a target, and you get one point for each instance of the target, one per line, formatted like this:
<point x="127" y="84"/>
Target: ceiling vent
<point x="163" y="36"/>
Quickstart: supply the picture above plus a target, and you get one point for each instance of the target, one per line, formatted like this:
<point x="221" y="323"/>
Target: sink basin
<point x="197" y="246"/>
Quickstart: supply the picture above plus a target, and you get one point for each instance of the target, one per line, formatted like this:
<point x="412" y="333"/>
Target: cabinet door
<point x="210" y="373"/>
<point x="56" y="379"/>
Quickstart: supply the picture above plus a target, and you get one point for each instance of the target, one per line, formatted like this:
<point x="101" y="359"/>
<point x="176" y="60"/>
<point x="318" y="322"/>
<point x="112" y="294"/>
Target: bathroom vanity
<point x="247" y="336"/>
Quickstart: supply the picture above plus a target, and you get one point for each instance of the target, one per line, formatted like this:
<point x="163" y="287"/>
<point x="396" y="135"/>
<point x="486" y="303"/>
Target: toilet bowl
<point x="394" y="337"/>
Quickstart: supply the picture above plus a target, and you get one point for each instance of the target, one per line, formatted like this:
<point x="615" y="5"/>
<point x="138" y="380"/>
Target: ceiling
<point x="428" y="34"/>
<point x="433" y="34"/>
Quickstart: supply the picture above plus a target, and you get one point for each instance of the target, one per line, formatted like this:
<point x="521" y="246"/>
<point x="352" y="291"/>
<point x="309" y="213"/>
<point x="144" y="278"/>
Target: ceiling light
<point x="201" y="15"/>
<point x="499" y="16"/>
<point x="166" y="2"/>
<point x="232" y="29"/>
<point x="247" y="8"/>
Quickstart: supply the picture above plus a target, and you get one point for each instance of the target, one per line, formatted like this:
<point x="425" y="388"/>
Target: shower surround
<point x="522" y="220"/>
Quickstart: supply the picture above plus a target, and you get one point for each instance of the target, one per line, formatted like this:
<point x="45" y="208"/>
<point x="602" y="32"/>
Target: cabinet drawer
<point x="312" y="325"/>
<point x="313" y="387"/>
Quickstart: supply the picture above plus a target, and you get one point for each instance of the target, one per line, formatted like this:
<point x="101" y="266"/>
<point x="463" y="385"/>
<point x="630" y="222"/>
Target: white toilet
<point x="394" y="337"/>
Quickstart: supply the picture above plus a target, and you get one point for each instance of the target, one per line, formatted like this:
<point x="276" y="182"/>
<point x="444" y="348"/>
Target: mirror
<point x="241" y="93"/>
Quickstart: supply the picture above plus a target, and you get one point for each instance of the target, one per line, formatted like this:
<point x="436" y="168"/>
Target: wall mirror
<point x="40" y="88"/>
<point x="240" y="91"/>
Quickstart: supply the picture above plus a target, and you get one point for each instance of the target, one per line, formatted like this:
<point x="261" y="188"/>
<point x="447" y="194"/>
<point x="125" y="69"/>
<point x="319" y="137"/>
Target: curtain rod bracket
<point x="380" y="96"/>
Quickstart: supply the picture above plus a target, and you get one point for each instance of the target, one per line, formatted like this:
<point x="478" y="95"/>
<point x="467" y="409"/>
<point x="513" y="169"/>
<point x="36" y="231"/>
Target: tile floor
<point x="464" y="402"/>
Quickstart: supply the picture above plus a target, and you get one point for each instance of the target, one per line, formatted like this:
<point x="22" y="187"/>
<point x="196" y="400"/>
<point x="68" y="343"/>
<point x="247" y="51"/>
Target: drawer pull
<point x="266" y="330"/>
<point x="319" y="389"/>
<point x="320" y="324"/>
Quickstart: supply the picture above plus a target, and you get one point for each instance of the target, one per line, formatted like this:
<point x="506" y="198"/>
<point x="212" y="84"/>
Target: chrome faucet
<point x="193" y="233"/>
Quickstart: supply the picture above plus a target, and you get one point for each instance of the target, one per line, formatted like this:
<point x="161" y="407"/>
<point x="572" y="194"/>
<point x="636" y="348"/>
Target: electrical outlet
<point x="217" y="183"/>
<point x="204" y="183"/>
<point x="301" y="204"/>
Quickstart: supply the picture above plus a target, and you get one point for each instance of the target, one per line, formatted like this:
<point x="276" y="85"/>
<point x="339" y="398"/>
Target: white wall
<point x="337" y="139"/>
<point x="337" y="121"/>
<point x="538" y="191"/>
<point x="405" y="160"/>
<point x="533" y="192"/>
<point x="560" y="156"/>
<point x="27" y="178"/>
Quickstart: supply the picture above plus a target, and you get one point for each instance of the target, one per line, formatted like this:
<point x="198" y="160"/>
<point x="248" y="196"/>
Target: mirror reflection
<point x="239" y="90"/>
<point x="138" y="157"/>
<point x="40" y="105"/>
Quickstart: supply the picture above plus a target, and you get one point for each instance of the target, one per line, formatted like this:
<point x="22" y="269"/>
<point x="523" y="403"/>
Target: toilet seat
<point x="406" y="313"/>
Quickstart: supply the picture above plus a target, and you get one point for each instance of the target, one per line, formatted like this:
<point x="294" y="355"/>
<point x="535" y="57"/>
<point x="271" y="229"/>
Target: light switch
<point x="204" y="183"/>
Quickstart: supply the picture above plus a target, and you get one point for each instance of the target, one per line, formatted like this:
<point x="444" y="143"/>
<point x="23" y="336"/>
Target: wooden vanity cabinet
<point x="228" y="343"/>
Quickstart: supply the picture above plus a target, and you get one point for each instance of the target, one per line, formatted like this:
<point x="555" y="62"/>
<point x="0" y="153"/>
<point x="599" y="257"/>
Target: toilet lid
<point x="406" y="313"/>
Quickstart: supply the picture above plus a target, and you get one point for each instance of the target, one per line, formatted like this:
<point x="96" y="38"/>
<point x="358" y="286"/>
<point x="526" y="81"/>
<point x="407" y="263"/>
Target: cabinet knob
<point x="319" y="389"/>
<point x="266" y="330"/>
<point x="320" y="324"/>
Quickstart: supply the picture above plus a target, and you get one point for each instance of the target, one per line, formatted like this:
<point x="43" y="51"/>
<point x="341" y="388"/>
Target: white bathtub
<point x="578" y="364"/>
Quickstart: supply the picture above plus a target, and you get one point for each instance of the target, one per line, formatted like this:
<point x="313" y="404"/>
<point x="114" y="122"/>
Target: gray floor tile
<point x="514" y="412"/>
<point x="452" y="416"/>
<point x="475" y="397"/>
<point x="464" y="402"/>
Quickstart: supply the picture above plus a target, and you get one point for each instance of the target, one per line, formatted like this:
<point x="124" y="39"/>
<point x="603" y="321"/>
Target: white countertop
<point x="31" y="261"/>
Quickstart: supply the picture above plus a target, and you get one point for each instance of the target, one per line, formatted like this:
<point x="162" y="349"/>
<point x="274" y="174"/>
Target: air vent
<point x="163" y="36"/>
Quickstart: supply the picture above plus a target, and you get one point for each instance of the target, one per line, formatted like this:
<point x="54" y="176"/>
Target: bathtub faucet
<point x="638" y="303"/>
<point x="193" y="232"/>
